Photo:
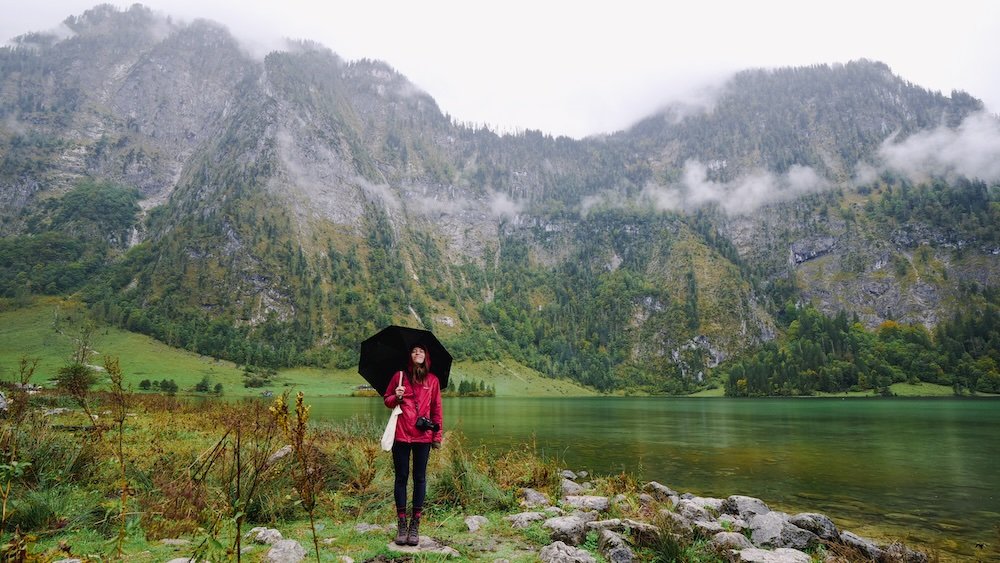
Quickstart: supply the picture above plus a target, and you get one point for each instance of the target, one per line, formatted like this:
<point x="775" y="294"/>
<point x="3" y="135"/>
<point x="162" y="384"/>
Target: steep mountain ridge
<point x="294" y="204"/>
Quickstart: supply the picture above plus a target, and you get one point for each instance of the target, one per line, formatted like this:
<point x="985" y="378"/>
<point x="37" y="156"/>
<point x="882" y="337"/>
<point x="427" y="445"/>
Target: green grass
<point x="29" y="332"/>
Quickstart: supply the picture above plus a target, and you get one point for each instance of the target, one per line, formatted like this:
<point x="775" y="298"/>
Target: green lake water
<point x="924" y="471"/>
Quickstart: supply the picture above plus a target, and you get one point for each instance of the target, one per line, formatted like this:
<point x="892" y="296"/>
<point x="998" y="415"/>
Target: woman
<point x="418" y="392"/>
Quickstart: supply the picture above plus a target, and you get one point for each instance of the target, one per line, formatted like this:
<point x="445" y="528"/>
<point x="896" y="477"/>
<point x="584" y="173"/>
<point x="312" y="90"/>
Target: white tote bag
<point x="389" y="436"/>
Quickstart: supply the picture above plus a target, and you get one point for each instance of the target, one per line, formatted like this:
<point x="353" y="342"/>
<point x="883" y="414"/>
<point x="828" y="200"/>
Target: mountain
<point x="276" y="211"/>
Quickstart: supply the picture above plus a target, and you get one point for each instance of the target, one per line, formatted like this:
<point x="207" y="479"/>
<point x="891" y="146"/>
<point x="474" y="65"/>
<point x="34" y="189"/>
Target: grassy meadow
<point x="45" y="331"/>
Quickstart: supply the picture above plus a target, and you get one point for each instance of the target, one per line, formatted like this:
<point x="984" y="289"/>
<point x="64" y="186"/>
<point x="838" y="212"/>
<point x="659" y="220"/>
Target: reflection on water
<point x="921" y="470"/>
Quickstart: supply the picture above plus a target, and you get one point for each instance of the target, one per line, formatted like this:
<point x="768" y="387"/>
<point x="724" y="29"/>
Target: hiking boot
<point x="401" y="531"/>
<point x="413" y="536"/>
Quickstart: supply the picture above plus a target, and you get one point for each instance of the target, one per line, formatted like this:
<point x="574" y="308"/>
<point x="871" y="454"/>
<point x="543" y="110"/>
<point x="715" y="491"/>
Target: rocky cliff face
<point x="309" y="196"/>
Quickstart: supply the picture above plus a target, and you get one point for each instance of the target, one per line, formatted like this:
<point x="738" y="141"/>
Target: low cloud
<point x="501" y="205"/>
<point x="971" y="150"/>
<point x="740" y="196"/>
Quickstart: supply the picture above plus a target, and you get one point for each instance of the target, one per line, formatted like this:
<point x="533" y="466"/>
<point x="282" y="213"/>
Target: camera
<point x="424" y="423"/>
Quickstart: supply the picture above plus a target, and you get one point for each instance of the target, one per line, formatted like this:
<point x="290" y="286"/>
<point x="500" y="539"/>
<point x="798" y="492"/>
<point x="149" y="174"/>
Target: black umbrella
<point x="388" y="351"/>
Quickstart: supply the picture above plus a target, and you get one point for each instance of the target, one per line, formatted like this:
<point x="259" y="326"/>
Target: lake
<point x="921" y="470"/>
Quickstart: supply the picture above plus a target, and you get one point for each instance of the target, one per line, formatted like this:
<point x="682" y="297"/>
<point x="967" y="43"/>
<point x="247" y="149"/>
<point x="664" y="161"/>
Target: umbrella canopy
<point x="388" y="351"/>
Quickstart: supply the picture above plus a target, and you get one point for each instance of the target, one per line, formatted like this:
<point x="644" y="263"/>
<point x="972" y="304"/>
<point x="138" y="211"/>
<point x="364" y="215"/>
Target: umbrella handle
<point x="401" y="383"/>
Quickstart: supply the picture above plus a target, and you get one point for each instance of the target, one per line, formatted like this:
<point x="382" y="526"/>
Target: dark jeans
<point x="401" y="463"/>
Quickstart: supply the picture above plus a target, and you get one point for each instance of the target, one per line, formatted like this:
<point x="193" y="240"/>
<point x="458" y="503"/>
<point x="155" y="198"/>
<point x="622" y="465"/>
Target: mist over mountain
<point x="276" y="211"/>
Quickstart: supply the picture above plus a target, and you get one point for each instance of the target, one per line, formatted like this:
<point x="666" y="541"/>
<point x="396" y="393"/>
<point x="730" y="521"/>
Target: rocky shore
<point x="738" y="529"/>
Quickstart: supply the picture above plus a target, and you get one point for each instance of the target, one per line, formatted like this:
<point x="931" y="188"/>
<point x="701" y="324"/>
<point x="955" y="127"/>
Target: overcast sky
<point x="578" y="68"/>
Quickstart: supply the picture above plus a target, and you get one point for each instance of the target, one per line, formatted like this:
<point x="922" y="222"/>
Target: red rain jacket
<point x="418" y="400"/>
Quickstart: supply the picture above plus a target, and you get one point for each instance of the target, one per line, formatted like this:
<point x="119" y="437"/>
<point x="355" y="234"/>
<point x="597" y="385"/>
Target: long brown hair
<point x="418" y="372"/>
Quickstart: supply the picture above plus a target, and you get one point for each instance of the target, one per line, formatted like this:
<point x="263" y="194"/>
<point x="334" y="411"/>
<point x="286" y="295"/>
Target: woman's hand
<point x="436" y="445"/>
<point x="399" y="393"/>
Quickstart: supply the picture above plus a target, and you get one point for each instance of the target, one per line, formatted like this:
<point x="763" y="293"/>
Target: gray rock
<point x="286" y="551"/>
<point x="524" y="519"/>
<point x="899" y="552"/>
<point x="619" y="500"/>
<point x="744" y="507"/>
<point x="711" y="504"/>
<point x="567" y="474"/>
<point x="732" y="523"/>
<point x="588" y="502"/>
<point x="865" y="546"/>
<point x="474" y="523"/>
<point x="559" y="552"/>
<point x="530" y="498"/>
<point x="268" y="536"/>
<point x="817" y="524"/>
<point x="571" y="488"/>
<point x="614" y="548"/>
<point x="175" y="560"/>
<point x="283" y="452"/>
<point x="676" y="522"/>
<point x="612" y="524"/>
<point x="568" y="529"/>
<point x="780" y="555"/>
<point x="646" y="499"/>
<point x="707" y="528"/>
<point x="660" y="492"/>
<point x="729" y="540"/>
<point x="774" y="530"/>
<point x="808" y="249"/>
<point x="642" y="533"/>
<point x="692" y="511"/>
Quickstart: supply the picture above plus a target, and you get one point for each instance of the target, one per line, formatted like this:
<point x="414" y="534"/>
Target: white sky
<point x="580" y="67"/>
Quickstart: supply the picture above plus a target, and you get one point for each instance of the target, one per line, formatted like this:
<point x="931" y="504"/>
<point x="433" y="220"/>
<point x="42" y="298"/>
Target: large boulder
<point x="268" y="536"/>
<point x="817" y="524"/>
<point x="708" y="503"/>
<point x="660" y="492"/>
<point x="865" y="546"/>
<point x="571" y="488"/>
<point x="286" y="551"/>
<point x="774" y="530"/>
<point x="567" y="529"/>
<point x="675" y="522"/>
<point x="693" y="511"/>
<point x="530" y="498"/>
<point x="614" y="548"/>
<point x="729" y="540"/>
<point x="524" y="519"/>
<point x="640" y="532"/>
<point x="744" y="507"/>
<point x="559" y="552"/>
<point x="588" y="502"/>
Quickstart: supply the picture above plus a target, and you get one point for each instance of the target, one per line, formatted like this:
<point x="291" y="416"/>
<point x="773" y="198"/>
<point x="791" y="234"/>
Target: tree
<point x="76" y="379"/>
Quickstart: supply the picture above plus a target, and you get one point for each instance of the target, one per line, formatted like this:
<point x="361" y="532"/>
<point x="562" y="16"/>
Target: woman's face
<point x="418" y="355"/>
